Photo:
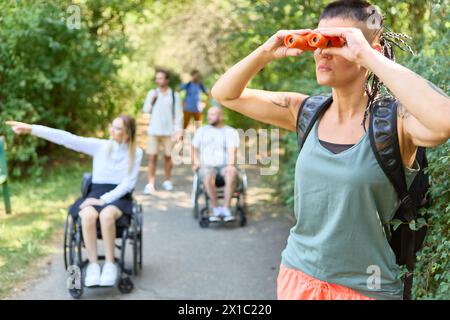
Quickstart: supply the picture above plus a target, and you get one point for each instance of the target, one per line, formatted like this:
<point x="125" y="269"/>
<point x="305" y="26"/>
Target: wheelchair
<point x="201" y="212"/>
<point x="128" y="229"/>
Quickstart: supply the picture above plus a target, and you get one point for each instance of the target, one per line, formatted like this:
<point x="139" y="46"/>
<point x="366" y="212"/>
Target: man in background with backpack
<point x="192" y="101"/>
<point x="165" y="127"/>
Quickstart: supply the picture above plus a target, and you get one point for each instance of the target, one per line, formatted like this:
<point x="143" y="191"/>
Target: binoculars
<point x="312" y="41"/>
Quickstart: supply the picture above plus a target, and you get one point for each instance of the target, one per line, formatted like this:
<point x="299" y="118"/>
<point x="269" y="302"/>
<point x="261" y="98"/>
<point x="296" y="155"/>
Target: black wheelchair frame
<point x="202" y="214"/>
<point x="73" y="245"/>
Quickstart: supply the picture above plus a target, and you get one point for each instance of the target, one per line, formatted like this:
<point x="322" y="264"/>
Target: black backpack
<point x="404" y="241"/>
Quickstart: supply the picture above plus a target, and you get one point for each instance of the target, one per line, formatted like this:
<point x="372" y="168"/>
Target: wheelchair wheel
<point x="137" y="244"/>
<point x="72" y="243"/>
<point x="241" y="216"/>
<point x="140" y="242"/>
<point x="204" y="222"/>
<point x="196" y="197"/>
<point x="204" y="218"/>
<point x="125" y="285"/>
<point x="76" y="293"/>
<point x="195" y="210"/>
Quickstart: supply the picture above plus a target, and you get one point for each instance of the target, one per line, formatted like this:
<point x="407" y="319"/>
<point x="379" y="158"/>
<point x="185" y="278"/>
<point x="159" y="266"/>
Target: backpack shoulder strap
<point x="385" y="145"/>
<point x="203" y="88"/>
<point x="310" y="110"/>
<point x="173" y="104"/>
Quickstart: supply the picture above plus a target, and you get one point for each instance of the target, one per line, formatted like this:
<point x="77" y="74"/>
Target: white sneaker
<point x="92" y="275"/>
<point x="167" y="185"/>
<point x="226" y="213"/>
<point x="109" y="274"/>
<point x="216" y="215"/>
<point x="149" y="189"/>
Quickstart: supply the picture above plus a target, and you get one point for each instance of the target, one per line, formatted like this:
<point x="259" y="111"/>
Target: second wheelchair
<point x="201" y="211"/>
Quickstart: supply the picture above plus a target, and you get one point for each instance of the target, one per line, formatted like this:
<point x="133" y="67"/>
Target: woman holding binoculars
<point x="341" y="194"/>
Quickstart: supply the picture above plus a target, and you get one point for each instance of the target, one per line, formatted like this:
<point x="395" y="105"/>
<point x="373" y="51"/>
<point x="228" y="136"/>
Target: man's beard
<point x="214" y="123"/>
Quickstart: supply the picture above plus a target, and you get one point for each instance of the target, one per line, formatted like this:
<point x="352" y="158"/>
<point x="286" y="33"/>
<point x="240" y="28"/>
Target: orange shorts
<point x="187" y="116"/>
<point x="293" y="284"/>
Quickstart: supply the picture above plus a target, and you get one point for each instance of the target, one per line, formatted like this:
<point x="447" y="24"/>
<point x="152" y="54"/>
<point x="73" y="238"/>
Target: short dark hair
<point x="194" y="72"/>
<point x="360" y="10"/>
<point x="165" y="71"/>
<point x="352" y="9"/>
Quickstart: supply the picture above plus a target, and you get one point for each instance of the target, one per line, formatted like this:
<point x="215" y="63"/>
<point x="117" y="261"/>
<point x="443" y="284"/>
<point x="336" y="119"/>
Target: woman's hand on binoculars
<point x="356" y="46"/>
<point x="19" y="127"/>
<point x="275" y="44"/>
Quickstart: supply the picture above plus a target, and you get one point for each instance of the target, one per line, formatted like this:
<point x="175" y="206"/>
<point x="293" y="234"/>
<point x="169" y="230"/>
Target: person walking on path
<point x="165" y="128"/>
<point x="342" y="198"/>
<point x="192" y="101"/>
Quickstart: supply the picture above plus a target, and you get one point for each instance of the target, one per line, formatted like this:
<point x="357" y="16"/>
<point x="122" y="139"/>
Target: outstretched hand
<point x="19" y="127"/>
<point x="275" y="44"/>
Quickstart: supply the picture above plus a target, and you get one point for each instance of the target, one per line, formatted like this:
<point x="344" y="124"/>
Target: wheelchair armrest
<point x="86" y="184"/>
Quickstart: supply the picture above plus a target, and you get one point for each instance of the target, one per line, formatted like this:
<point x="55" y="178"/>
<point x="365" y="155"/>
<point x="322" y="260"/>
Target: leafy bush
<point x="53" y="75"/>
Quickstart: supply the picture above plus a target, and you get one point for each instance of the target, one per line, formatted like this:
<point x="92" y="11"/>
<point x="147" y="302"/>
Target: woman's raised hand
<point x="19" y="127"/>
<point x="356" y="46"/>
<point x="275" y="44"/>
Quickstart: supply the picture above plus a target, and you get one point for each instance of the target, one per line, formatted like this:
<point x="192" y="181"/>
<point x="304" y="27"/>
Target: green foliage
<point x="53" y="75"/>
<point x="38" y="213"/>
<point x="432" y="279"/>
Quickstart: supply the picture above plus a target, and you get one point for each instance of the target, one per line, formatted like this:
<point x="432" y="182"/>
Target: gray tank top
<point x="342" y="203"/>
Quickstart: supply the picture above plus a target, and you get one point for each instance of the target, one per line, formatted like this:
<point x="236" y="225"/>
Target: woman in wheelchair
<point x="116" y="163"/>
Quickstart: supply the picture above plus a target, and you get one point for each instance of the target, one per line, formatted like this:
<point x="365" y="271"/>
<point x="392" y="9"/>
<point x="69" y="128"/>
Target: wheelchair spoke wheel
<point x="125" y="285"/>
<point x="72" y="243"/>
<point x="67" y="240"/>
<point x="204" y="218"/>
<point x="195" y="210"/>
<point x="140" y="250"/>
<point x="241" y="216"/>
<point x="137" y="251"/>
<point x="76" y="293"/>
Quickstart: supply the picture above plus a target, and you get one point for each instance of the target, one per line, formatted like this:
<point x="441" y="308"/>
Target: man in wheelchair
<point x="214" y="155"/>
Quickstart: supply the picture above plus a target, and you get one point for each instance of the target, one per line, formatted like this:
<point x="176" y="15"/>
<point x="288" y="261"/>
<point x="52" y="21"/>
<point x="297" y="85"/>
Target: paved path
<point x="183" y="261"/>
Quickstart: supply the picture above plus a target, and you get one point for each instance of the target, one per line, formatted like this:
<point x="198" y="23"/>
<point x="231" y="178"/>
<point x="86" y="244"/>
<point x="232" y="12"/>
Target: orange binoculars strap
<point x="312" y="41"/>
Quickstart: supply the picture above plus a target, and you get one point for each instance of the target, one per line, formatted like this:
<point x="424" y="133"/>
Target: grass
<point x="39" y="211"/>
